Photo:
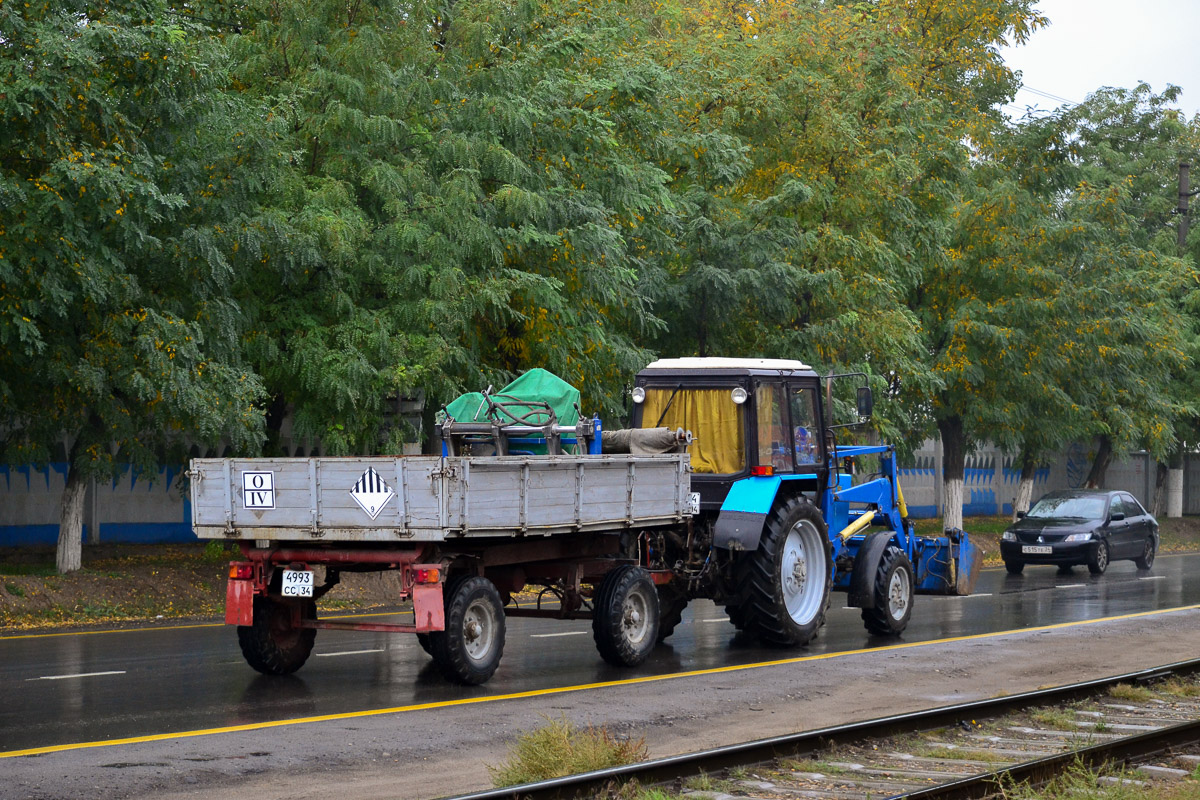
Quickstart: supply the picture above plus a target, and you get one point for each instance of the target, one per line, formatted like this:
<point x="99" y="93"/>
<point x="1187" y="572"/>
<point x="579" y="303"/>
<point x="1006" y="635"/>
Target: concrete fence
<point x="139" y="507"/>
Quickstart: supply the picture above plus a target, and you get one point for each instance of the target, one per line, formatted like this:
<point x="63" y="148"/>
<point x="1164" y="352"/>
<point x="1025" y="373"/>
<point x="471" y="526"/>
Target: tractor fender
<point x="861" y="592"/>
<point x="744" y="513"/>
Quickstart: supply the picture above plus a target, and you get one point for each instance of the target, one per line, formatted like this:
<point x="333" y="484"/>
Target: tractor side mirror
<point x="866" y="401"/>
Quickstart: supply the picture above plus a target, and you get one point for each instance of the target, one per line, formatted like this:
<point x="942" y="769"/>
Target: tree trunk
<point x="953" y="461"/>
<point x="70" y="524"/>
<point x="1160" y="485"/>
<point x="1104" y="455"/>
<point x="1025" y="487"/>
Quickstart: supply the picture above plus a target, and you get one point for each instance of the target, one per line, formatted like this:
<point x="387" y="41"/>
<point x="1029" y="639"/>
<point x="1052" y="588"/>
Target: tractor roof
<point x="743" y="366"/>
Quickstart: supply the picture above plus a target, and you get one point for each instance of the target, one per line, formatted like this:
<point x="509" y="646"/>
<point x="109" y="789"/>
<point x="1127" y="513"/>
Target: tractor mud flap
<point x="866" y="561"/>
<point x="738" y="530"/>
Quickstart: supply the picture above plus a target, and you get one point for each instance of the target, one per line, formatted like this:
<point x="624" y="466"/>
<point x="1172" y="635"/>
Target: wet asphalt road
<point x="87" y="687"/>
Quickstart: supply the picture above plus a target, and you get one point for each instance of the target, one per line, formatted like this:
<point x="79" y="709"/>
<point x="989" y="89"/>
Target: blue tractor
<point x="786" y="514"/>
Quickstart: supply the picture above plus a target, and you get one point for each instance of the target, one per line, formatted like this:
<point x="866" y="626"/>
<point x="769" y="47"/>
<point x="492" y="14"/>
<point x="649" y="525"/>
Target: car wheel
<point x="1065" y="569"/>
<point x="1146" y="561"/>
<point x="1099" y="562"/>
<point x="1014" y="567"/>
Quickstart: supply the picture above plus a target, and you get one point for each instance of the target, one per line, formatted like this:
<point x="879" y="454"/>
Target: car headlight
<point x="1008" y="536"/>
<point x="1078" y="537"/>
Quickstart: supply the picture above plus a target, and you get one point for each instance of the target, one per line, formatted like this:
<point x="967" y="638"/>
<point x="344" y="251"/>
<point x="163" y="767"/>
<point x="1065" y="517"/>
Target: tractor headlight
<point x="638" y="394"/>
<point x="739" y="395"/>
<point x="1078" y="537"/>
<point x="1008" y="536"/>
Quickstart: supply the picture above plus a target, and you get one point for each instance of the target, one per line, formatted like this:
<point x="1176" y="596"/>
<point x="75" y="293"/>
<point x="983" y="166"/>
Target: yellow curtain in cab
<point x="712" y="417"/>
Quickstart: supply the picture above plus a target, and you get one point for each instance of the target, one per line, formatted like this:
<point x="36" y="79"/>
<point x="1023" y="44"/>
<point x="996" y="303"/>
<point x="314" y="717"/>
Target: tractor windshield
<point x="713" y="418"/>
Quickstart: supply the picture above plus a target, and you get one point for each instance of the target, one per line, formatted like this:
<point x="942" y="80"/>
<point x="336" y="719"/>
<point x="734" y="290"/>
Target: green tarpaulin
<point x="536" y="385"/>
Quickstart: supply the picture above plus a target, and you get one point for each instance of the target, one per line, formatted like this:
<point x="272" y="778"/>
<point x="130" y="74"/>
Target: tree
<point x="117" y="341"/>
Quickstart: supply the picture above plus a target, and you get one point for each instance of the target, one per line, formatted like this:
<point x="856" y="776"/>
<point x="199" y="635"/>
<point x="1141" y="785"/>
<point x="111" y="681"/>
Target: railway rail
<point x="956" y="752"/>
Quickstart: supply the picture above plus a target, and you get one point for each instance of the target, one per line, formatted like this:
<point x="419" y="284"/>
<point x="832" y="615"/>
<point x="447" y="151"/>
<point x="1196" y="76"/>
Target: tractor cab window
<point x="774" y="443"/>
<point x="805" y="432"/>
<point x="713" y="418"/>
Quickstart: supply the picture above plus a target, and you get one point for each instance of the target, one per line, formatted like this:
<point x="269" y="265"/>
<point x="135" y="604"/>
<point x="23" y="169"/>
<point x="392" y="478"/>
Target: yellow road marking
<point x="375" y="712"/>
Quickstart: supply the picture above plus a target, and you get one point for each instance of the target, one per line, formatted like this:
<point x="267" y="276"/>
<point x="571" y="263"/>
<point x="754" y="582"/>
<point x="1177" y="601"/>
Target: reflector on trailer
<point x="241" y="572"/>
<point x="427" y="574"/>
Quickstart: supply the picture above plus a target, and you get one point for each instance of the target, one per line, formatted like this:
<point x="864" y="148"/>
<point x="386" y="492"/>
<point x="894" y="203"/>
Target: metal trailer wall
<point x="151" y="508"/>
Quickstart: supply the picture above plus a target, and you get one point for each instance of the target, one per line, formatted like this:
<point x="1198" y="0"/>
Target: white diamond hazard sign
<point x="371" y="493"/>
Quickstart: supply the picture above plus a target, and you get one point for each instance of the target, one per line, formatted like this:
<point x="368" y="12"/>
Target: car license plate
<point x="1037" y="549"/>
<point x="297" y="583"/>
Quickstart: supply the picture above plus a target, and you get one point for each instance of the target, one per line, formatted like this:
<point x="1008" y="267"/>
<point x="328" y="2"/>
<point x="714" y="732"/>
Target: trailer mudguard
<point x="744" y="513"/>
<point x="866" y="561"/>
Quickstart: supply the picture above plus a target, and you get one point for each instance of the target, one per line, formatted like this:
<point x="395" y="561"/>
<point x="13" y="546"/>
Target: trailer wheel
<point x="271" y="644"/>
<point x="469" y="649"/>
<point x="625" y="616"/>
<point x="893" y="595"/>
<point x="423" y="640"/>
<point x="785" y="583"/>
<point x="671" y="603"/>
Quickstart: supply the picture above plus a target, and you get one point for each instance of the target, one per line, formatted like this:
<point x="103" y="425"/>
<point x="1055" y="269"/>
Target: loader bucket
<point x="948" y="564"/>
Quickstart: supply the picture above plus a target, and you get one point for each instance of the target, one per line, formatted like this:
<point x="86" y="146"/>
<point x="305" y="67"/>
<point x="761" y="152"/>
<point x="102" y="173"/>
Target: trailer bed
<point x="431" y="498"/>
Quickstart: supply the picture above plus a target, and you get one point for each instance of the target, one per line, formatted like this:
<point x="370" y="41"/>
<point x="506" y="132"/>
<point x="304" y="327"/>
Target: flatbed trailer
<point x="563" y="521"/>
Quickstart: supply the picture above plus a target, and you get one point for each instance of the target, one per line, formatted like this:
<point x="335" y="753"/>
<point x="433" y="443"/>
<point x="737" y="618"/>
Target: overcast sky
<point x="1094" y="43"/>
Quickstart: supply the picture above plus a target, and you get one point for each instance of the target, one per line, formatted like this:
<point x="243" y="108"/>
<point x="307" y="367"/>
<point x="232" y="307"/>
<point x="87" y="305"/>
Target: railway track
<point x="1148" y="720"/>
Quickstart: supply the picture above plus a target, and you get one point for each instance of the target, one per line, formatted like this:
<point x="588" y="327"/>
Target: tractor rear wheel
<point x="893" y="595"/>
<point x="625" y="616"/>
<point x="671" y="603"/>
<point x="271" y="643"/>
<point x="784" y="585"/>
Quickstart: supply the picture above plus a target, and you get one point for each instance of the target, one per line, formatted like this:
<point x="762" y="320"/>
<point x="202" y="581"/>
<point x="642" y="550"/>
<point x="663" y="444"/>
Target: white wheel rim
<point x="802" y="572"/>
<point x="479" y="630"/>
<point x="635" y="617"/>
<point x="898" y="593"/>
<point x="1102" y="556"/>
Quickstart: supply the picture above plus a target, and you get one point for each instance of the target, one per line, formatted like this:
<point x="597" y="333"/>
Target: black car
<point x="1081" y="526"/>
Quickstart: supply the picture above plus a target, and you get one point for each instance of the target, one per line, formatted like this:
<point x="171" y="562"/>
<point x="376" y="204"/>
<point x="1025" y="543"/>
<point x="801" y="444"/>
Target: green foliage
<point x="117" y="331"/>
<point x="560" y="748"/>
<point x="216" y="216"/>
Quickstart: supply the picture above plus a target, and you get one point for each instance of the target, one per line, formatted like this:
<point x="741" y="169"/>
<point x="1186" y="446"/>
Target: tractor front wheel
<point x="893" y="595"/>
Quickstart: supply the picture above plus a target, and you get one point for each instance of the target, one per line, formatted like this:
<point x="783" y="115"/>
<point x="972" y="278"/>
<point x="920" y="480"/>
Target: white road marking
<point x="715" y="619"/>
<point x="981" y="594"/>
<point x="78" y="675"/>
<point x="1153" y="578"/>
<point x="349" y="653"/>
<point x="1071" y="586"/>
<point x="548" y="635"/>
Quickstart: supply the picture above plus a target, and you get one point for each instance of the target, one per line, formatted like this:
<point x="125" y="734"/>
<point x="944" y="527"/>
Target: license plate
<point x="297" y="583"/>
<point x="693" y="504"/>
<point x="1037" y="549"/>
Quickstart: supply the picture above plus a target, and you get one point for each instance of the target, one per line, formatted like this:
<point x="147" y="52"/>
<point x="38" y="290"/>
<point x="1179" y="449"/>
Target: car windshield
<point x="1090" y="507"/>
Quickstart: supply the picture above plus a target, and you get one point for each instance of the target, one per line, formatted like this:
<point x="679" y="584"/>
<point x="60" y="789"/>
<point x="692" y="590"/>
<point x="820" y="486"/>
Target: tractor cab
<point x="748" y="417"/>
